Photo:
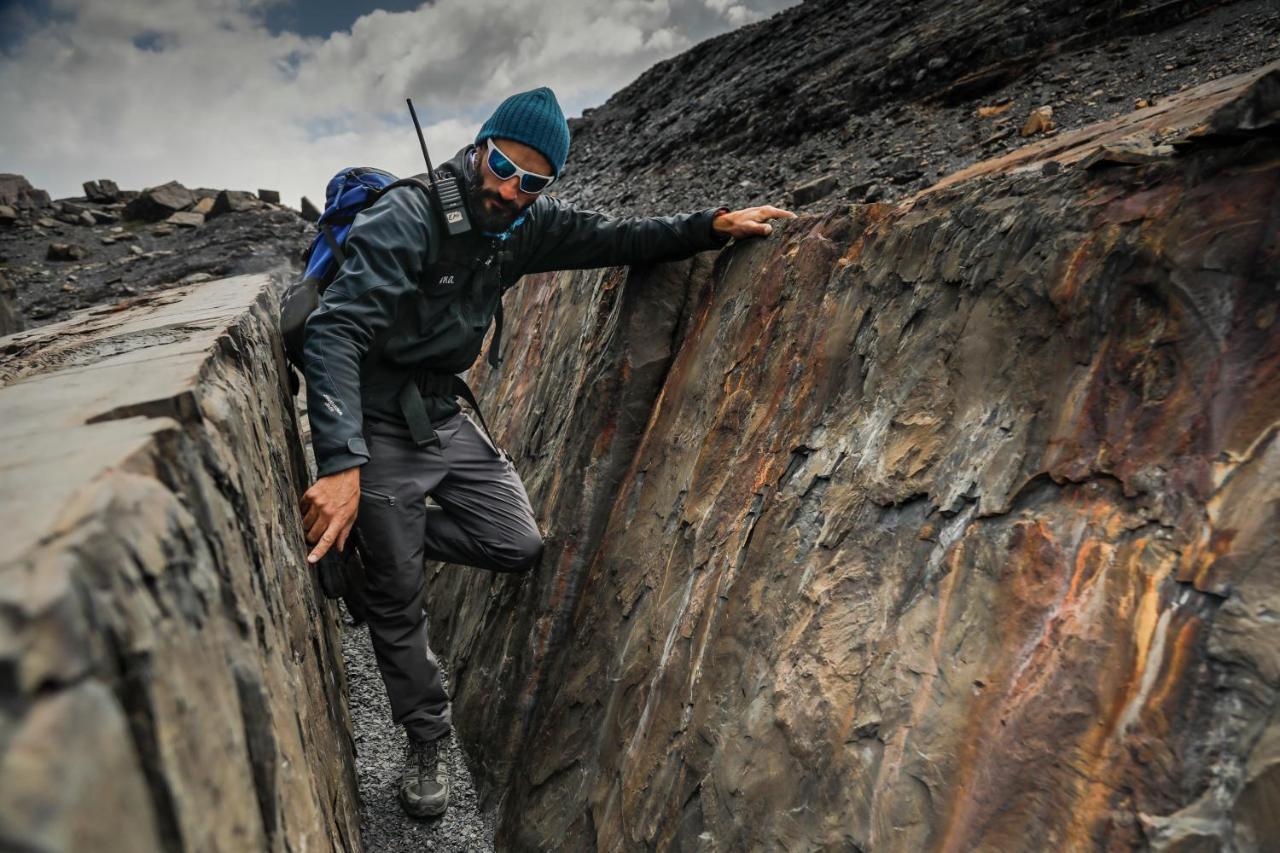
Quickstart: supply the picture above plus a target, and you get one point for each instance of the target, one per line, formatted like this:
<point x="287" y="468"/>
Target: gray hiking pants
<point x="483" y="519"/>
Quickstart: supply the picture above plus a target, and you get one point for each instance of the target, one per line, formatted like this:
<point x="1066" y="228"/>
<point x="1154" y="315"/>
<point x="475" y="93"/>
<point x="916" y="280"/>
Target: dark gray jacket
<point x="407" y="299"/>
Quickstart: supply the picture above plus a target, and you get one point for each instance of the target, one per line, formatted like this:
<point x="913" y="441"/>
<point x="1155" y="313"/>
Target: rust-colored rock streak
<point x="948" y="526"/>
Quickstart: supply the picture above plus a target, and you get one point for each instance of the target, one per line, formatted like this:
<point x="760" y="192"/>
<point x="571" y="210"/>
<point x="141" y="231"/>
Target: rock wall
<point x="171" y="678"/>
<point x="949" y="525"/>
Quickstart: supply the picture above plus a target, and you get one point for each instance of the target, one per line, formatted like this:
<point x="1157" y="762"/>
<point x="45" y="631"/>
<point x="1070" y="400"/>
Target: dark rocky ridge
<point x="59" y="256"/>
<point x="884" y="96"/>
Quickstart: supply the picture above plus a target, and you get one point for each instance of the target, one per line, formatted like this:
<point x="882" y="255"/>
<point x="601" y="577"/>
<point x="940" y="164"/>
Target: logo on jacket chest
<point x="452" y="275"/>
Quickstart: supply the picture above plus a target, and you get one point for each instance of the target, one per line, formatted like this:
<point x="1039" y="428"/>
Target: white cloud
<point x="145" y="91"/>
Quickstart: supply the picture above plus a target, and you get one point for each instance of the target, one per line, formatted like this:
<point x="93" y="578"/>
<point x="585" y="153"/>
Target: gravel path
<point x="380" y="745"/>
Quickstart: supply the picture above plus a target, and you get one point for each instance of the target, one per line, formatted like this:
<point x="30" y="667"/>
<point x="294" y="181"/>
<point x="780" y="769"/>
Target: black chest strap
<point x="414" y="408"/>
<point x="495" y="358"/>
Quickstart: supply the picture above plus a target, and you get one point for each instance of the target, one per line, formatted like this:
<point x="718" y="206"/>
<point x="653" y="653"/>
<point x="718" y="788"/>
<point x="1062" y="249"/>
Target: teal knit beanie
<point x="534" y="118"/>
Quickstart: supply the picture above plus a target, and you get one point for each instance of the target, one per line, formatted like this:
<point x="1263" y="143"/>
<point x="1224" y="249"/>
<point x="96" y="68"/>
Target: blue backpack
<point x="349" y="192"/>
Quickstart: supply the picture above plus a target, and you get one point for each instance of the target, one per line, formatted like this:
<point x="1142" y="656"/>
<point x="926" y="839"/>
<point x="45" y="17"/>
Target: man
<point x="408" y="310"/>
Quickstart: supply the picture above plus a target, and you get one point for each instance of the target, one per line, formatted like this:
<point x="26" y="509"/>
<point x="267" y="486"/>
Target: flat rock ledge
<point x="171" y="677"/>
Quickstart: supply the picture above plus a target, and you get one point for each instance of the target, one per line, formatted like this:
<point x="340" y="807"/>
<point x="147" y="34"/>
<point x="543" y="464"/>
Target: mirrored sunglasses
<point x="503" y="168"/>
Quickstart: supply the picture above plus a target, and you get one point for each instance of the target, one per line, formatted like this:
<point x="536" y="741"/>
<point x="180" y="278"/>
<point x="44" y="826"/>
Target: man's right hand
<point x="329" y="511"/>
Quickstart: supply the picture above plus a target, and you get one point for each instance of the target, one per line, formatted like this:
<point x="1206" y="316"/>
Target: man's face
<point x="495" y="203"/>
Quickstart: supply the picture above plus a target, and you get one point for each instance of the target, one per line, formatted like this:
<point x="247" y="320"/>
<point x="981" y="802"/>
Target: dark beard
<point x="496" y="217"/>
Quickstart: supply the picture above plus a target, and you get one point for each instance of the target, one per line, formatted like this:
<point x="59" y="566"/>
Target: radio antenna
<point x="448" y="193"/>
<point x="422" y="140"/>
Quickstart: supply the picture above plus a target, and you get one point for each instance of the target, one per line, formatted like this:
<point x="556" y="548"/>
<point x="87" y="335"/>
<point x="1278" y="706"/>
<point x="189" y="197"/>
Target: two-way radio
<point x="448" y="194"/>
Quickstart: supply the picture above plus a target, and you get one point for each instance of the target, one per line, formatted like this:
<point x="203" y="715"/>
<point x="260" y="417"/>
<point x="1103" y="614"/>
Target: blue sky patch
<point x="316" y="18"/>
<point x="19" y="17"/>
<point x="152" y="41"/>
<point x="322" y="17"/>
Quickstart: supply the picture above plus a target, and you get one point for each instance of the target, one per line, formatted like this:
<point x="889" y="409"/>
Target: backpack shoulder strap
<point x="422" y="184"/>
<point x="414" y="181"/>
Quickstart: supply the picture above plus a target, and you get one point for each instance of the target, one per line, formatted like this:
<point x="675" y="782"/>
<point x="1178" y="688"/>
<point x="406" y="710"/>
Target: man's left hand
<point x="749" y="222"/>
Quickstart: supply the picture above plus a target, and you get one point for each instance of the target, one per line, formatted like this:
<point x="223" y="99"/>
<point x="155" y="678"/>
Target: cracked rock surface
<point x="172" y="677"/>
<point x="944" y="525"/>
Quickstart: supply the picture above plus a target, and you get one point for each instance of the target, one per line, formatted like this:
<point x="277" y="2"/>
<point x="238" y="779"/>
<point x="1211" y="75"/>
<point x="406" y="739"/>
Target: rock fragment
<point x="270" y="196"/>
<point x="905" y="170"/>
<point x="186" y="219"/>
<point x="309" y="211"/>
<point x="16" y="191"/>
<point x="1257" y="109"/>
<point x="866" y="191"/>
<point x="101" y="191"/>
<point x="814" y="190"/>
<point x="64" y="252"/>
<point x="156" y="203"/>
<point x="232" y="201"/>
<point x="1038" y="122"/>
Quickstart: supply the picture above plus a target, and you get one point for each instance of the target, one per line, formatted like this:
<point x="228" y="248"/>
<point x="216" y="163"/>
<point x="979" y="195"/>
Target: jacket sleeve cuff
<point x="338" y="463"/>
<point x="356" y="453"/>
<point x="717" y="240"/>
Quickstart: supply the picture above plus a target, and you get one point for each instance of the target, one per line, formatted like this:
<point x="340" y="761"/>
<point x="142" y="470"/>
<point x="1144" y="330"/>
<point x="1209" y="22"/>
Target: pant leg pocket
<point x="381" y="498"/>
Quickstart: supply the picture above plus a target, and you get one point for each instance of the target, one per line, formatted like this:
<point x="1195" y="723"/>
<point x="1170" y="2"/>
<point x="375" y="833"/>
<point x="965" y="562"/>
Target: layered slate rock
<point x="948" y="525"/>
<point x="172" y="678"/>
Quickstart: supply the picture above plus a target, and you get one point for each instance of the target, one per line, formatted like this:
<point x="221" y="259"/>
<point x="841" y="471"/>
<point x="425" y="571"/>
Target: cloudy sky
<point x="280" y="94"/>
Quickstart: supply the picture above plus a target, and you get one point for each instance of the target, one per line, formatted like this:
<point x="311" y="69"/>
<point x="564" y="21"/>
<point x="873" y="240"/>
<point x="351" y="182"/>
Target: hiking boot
<point x="424" y="779"/>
